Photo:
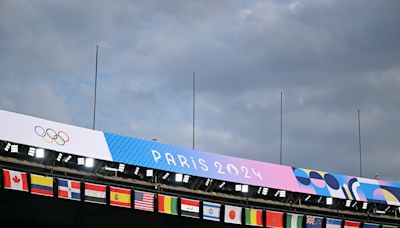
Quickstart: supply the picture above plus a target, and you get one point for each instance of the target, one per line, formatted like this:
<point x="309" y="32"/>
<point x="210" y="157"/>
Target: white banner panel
<point x="51" y="135"/>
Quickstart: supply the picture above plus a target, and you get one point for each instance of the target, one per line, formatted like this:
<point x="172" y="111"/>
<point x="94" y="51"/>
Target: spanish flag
<point x="254" y="217"/>
<point x="41" y="185"/>
<point x="120" y="197"/>
<point x="168" y="204"/>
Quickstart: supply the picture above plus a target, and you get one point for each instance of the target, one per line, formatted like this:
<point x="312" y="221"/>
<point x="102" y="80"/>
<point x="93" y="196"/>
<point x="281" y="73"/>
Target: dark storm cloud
<point x="330" y="58"/>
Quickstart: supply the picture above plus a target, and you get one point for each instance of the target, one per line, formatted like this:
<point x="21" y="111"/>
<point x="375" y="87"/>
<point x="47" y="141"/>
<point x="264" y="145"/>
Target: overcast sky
<point x="329" y="58"/>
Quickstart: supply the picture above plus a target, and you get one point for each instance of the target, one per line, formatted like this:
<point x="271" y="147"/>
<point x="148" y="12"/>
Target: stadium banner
<point x="79" y="141"/>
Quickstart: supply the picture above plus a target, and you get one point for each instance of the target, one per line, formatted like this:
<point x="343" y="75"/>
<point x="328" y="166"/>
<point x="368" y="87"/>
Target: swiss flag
<point x="15" y="180"/>
<point x="233" y="214"/>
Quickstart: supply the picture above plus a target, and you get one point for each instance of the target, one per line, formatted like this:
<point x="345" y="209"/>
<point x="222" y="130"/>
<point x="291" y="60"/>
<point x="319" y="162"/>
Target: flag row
<point x="148" y="201"/>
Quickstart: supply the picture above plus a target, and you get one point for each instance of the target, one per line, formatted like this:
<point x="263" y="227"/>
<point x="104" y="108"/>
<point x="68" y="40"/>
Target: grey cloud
<point x="330" y="58"/>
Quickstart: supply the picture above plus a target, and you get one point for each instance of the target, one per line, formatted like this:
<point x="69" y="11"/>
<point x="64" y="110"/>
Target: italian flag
<point x="167" y="204"/>
<point x="294" y="221"/>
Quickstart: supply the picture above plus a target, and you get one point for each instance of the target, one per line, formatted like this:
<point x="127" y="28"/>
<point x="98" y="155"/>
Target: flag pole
<point x="95" y="89"/>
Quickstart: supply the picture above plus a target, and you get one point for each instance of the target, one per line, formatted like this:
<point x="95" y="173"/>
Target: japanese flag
<point x="233" y="214"/>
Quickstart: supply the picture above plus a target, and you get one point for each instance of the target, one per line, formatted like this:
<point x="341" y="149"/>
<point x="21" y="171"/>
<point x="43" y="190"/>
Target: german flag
<point x="120" y="197"/>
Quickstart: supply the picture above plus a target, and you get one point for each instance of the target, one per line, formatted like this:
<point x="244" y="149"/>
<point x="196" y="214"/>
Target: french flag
<point x="69" y="189"/>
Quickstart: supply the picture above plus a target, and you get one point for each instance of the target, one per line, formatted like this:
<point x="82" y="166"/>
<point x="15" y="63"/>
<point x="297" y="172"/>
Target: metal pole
<point x="95" y="89"/>
<point x="359" y="140"/>
<point x="194" y="87"/>
<point x="281" y="131"/>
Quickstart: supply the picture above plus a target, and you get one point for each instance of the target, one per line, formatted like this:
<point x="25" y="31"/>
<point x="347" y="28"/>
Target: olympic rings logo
<point x="49" y="135"/>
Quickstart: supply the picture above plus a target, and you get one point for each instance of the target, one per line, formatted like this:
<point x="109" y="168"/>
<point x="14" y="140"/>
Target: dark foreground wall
<point x="22" y="209"/>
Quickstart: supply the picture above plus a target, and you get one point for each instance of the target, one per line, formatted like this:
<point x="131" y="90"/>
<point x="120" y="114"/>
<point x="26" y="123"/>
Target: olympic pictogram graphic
<point x="50" y="135"/>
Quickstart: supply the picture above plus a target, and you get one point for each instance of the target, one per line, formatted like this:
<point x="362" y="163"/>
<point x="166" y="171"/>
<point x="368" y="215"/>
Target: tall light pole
<point x="95" y="89"/>
<point x="280" y="160"/>
<point x="194" y="89"/>
<point x="359" y="141"/>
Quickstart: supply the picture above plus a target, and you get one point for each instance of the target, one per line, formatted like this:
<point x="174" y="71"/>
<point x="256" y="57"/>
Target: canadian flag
<point x="233" y="214"/>
<point x="15" y="180"/>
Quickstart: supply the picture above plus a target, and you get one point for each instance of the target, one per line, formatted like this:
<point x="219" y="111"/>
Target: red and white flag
<point x="233" y="214"/>
<point x="15" y="180"/>
<point x="351" y="224"/>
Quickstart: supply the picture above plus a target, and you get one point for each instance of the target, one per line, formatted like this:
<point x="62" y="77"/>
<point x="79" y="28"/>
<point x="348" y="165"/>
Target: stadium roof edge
<point x="28" y="130"/>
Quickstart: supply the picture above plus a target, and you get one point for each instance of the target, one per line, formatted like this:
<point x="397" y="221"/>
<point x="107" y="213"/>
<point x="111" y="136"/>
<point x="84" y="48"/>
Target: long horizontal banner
<point x="167" y="204"/>
<point x="111" y="147"/>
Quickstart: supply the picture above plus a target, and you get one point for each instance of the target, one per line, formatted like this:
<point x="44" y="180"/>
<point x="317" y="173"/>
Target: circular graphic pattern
<point x="302" y="176"/>
<point x="331" y="181"/>
<point x="317" y="179"/>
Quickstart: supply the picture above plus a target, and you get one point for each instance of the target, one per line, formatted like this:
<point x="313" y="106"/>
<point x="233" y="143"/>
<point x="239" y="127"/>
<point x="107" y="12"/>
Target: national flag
<point x="15" y="180"/>
<point x="351" y="224"/>
<point x="274" y="219"/>
<point x="253" y="217"/>
<point x="95" y="193"/>
<point x="333" y="223"/>
<point x="313" y="222"/>
<point x="69" y="189"/>
<point x="41" y="185"/>
<point x="233" y="214"/>
<point x="120" y="197"/>
<point x="388" y="226"/>
<point x="211" y="211"/>
<point x="294" y="221"/>
<point x="144" y="201"/>
<point x="370" y="225"/>
<point x="190" y="208"/>
<point x="168" y="204"/>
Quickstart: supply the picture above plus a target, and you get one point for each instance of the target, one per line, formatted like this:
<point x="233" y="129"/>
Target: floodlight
<point x="354" y="204"/>
<point x="348" y="203"/>
<point x="222" y="185"/>
<point x="111" y="169"/>
<point x="89" y="162"/>
<point x="264" y="191"/>
<point x="81" y="161"/>
<point x="307" y="198"/>
<point x="121" y="168"/>
<point x="282" y="193"/>
<point x="31" y="151"/>
<point x="166" y="175"/>
<point x="136" y="172"/>
<point x="365" y="205"/>
<point x="387" y="208"/>
<point x="149" y="172"/>
<point x="178" y="177"/>
<point x="67" y="158"/>
<point x="238" y="187"/>
<point x="59" y="157"/>
<point x="208" y="181"/>
<point x="186" y="178"/>
<point x="319" y="199"/>
<point x="329" y="200"/>
<point x="39" y="153"/>
<point x="14" y="148"/>
<point x="245" y="188"/>
<point x="7" y="148"/>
